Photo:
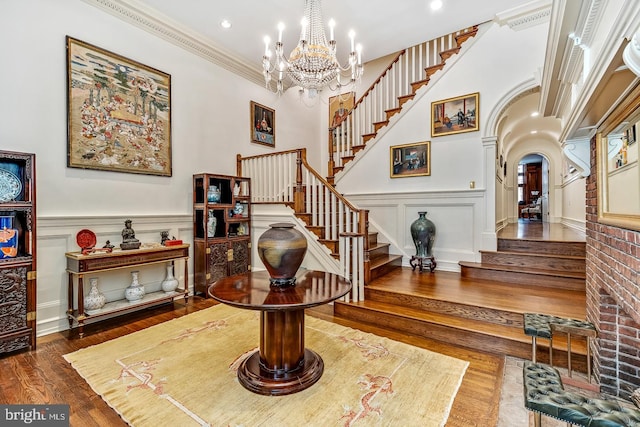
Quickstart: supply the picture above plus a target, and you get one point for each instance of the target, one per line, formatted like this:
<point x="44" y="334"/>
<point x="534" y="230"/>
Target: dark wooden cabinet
<point x="221" y="228"/>
<point x="17" y="262"/>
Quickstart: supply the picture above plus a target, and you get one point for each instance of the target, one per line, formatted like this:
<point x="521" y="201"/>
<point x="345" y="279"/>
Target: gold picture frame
<point x="410" y="159"/>
<point x="118" y="112"/>
<point x="263" y="124"/>
<point x="455" y="115"/>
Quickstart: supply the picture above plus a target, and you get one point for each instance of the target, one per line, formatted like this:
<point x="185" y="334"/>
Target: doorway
<point x="533" y="188"/>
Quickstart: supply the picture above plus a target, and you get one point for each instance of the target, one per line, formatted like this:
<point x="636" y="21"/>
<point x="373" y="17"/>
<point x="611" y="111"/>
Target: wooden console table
<point x="78" y="265"/>
<point x="282" y="365"/>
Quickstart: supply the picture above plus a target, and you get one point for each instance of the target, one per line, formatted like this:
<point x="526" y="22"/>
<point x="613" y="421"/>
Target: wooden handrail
<point x="373" y="85"/>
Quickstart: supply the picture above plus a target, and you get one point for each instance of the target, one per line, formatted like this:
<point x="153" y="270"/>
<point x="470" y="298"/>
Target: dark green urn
<point x="423" y="233"/>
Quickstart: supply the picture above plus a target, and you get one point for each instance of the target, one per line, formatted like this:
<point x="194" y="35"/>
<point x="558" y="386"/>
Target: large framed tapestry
<point x="118" y="112"/>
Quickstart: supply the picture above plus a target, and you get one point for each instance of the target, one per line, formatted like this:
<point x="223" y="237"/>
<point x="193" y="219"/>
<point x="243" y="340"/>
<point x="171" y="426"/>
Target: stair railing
<point x="385" y="94"/>
<point x="286" y="177"/>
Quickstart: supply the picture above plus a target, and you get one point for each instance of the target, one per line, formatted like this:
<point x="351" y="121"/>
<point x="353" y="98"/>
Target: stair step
<point x="356" y="148"/>
<point x="368" y="136"/>
<point x="518" y="275"/>
<point x="379" y="125"/>
<point x="373" y="238"/>
<point x="417" y="85"/>
<point x="461" y="38"/>
<point x="378" y="250"/>
<point x="382" y="265"/>
<point x="453" y="329"/>
<point x="543" y="247"/>
<point x="534" y="260"/>
<point x="446" y="54"/>
<point x="404" y="98"/>
<point x="331" y="244"/>
<point x="391" y="112"/>
<point x="433" y="69"/>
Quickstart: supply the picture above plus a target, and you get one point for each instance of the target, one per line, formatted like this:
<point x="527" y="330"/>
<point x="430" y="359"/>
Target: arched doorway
<point x="532" y="188"/>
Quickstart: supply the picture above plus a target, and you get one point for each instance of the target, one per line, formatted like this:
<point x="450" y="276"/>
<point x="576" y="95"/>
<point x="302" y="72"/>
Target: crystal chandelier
<point x="312" y="65"/>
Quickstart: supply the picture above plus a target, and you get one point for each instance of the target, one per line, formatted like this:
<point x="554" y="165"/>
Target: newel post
<point x="298" y="195"/>
<point x="363" y="229"/>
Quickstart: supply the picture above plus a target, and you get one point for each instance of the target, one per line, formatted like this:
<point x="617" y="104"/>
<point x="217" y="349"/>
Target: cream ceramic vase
<point x="170" y="284"/>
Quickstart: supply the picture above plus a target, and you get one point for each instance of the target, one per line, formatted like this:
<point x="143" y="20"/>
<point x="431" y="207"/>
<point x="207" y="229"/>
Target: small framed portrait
<point x="410" y="160"/>
<point x="455" y="115"/>
<point x="263" y="124"/>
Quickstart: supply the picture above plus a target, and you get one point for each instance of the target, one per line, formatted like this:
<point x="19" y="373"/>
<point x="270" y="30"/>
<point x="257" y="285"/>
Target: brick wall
<point x="613" y="296"/>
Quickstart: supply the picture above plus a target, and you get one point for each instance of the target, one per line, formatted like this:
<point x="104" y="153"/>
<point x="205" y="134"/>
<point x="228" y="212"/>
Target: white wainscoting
<point x="457" y="215"/>
<point x="57" y="235"/>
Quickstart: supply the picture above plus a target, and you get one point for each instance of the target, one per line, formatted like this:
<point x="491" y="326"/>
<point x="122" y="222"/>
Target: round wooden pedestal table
<point x="282" y="365"/>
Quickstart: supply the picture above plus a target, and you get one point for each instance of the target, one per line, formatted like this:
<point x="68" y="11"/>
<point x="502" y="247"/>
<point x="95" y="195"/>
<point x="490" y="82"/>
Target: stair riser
<point x="525" y="260"/>
<point x="527" y="279"/>
<point x="456" y="336"/>
<point x="543" y="247"/>
<point x="474" y="313"/>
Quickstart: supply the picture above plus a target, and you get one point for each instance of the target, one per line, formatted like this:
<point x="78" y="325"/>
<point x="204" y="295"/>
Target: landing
<point x="538" y="230"/>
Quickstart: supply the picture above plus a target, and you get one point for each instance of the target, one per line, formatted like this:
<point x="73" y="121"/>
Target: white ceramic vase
<point x="170" y="283"/>
<point x="211" y="225"/>
<point x="94" y="300"/>
<point x="135" y="291"/>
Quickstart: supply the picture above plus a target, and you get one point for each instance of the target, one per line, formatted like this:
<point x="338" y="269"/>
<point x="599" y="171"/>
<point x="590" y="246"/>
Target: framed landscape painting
<point x="263" y="125"/>
<point x="118" y="112"/>
<point x="455" y="115"/>
<point x="410" y="159"/>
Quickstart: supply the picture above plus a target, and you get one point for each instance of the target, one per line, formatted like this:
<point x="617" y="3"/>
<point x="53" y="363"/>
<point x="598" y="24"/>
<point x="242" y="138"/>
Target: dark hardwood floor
<point x="43" y="376"/>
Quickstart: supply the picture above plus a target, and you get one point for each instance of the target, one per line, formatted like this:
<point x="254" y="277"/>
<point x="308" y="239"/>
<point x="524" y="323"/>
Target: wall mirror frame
<point x="617" y="150"/>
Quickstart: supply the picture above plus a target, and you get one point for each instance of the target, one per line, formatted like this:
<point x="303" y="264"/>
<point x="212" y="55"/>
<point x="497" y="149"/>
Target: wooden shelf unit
<point x="227" y="250"/>
<point x="18" y="274"/>
<point x="78" y="265"/>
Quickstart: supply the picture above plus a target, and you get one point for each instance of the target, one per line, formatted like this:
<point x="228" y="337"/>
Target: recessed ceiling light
<point x="535" y="114"/>
<point x="436" y="4"/>
<point x="225" y="23"/>
<point x="534" y="131"/>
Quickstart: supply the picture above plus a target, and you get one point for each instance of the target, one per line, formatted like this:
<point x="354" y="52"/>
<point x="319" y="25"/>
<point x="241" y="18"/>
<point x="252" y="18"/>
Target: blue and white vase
<point x="213" y="194"/>
<point x="8" y="238"/>
<point x="95" y="299"/>
<point x="135" y="291"/>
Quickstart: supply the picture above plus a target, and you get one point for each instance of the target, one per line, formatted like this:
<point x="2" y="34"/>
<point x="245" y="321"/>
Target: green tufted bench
<point x="544" y="325"/>
<point x="544" y="394"/>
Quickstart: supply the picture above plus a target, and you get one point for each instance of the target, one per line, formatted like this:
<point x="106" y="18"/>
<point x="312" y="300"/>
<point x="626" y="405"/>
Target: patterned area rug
<point x="183" y="372"/>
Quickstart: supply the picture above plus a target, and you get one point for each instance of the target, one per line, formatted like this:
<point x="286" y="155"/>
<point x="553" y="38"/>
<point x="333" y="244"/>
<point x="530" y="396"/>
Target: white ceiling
<point x="381" y="26"/>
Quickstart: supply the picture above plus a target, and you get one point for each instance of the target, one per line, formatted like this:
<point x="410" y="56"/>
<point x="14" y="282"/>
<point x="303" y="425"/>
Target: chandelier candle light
<point x="312" y="65"/>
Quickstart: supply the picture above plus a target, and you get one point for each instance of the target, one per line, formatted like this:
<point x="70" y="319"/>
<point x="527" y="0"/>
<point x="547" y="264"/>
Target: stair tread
<point x="382" y="260"/>
<point x="513" y="333"/>
<point x="534" y="255"/>
<point x="447" y="286"/>
<point x="521" y="269"/>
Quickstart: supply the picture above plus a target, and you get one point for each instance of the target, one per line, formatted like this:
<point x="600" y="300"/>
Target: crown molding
<point x="164" y="27"/>
<point x="525" y="16"/>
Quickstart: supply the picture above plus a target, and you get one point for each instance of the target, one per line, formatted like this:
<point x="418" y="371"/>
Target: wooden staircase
<point x="480" y="312"/>
<point x="389" y="103"/>
<point x="381" y="261"/>
<point x="555" y="264"/>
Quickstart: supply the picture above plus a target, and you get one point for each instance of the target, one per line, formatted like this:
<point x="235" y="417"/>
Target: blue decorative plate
<point x="10" y="186"/>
